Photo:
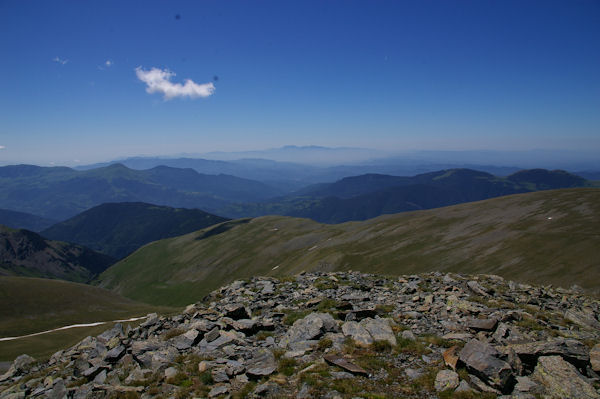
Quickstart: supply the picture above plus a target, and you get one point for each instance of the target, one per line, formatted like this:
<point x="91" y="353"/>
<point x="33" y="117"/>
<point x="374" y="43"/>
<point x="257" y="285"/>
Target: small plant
<point x="290" y="318"/>
<point x="381" y="346"/>
<point x="324" y="343"/>
<point x="172" y="333"/>
<point x="287" y="366"/>
<point x="206" y="378"/>
<point x="245" y="391"/>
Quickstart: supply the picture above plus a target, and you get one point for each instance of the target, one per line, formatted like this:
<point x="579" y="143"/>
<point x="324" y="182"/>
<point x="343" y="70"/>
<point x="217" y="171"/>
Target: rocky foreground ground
<point x="340" y="335"/>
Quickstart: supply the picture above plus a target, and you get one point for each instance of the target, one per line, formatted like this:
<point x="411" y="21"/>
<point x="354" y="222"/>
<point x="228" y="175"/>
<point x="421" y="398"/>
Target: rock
<point x="186" y="340"/>
<point x="21" y="364"/>
<point x="571" y="350"/>
<point x="446" y="379"/>
<point x="463" y="386"/>
<point x="151" y="320"/>
<point x="236" y="312"/>
<point x="407" y="334"/>
<point x="170" y="372"/>
<point x="561" y="379"/>
<point x="308" y="328"/>
<point x="219" y="375"/>
<point x="380" y="330"/>
<point x="582" y="319"/>
<point x="482" y="359"/>
<point x="524" y="384"/>
<point x="477" y="288"/>
<point x="115" y="354"/>
<point x="450" y="356"/>
<point x="262" y="363"/>
<point x="345" y="364"/>
<point x="101" y="377"/>
<point x="357" y="332"/>
<point x="482" y="324"/>
<point x="212" y="335"/>
<point x="413" y="374"/>
<point x="218" y="390"/>
<point x="115" y="332"/>
<point x="595" y="358"/>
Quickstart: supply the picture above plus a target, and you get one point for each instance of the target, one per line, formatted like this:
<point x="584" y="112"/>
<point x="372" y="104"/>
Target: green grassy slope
<point x="510" y="236"/>
<point x="30" y="305"/>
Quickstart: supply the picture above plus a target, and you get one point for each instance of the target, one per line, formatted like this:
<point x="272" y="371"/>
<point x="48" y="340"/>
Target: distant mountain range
<point x="117" y="229"/>
<point x="59" y="192"/>
<point x="540" y="237"/>
<point x="367" y="196"/>
<point x="22" y="220"/>
<point x="25" y="253"/>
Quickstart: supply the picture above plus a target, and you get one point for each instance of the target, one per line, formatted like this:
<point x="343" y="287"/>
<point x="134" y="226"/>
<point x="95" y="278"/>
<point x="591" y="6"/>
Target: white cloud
<point x="60" y="60"/>
<point x="108" y="63"/>
<point x="159" y="81"/>
<point x="2" y="147"/>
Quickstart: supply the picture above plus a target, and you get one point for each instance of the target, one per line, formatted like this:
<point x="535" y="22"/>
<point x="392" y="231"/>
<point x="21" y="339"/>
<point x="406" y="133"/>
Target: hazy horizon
<point x="93" y="82"/>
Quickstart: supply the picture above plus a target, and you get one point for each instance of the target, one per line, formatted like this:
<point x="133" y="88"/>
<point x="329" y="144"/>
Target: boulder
<point x="560" y="379"/>
<point x="595" y="358"/>
<point x="571" y="350"/>
<point x="261" y="364"/>
<point x="446" y="379"/>
<point x="482" y="360"/>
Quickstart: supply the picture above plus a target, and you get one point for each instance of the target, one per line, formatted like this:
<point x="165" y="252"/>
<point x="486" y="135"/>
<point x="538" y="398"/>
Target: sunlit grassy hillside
<point x="542" y="237"/>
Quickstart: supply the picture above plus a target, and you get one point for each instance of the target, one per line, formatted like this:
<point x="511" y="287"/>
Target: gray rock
<point x="170" y="372"/>
<point x="236" y="312"/>
<point x="357" y="332"/>
<point x="218" y="390"/>
<point x="261" y="364"/>
<point x="407" y="334"/>
<point x="595" y="358"/>
<point x="571" y="350"/>
<point x="561" y="379"/>
<point x="115" y="354"/>
<point x="463" y="386"/>
<point x="212" y="335"/>
<point x="308" y="328"/>
<point x="380" y="330"/>
<point x="446" y="379"/>
<point x="524" y="384"/>
<point x="116" y="331"/>
<point x="58" y="391"/>
<point x="477" y="288"/>
<point x="186" y="340"/>
<point x="413" y="373"/>
<point x="481" y="359"/>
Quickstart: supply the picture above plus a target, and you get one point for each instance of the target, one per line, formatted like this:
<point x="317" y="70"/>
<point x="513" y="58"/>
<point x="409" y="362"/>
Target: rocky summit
<point x="340" y="335"/>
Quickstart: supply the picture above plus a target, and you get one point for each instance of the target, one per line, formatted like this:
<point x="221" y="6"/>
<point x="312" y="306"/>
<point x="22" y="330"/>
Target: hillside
<point x="56" y="303"/>
<point x="22" y="220"/>
<point x="25" y="253"/>
<point x="339" y="335"/>
<point x="542" y="237"/>
<point x="60" y="193"/>
<point x="367" y="196"/>
<point x="117" y="229"/>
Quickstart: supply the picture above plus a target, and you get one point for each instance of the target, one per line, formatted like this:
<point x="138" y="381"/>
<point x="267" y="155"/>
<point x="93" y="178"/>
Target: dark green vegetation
<point x="60" y="192"/>
<point x="117" y="229"/>
<point x="22" y="220"/>
<point x="540" y="237"/>
<point x="25" y="253"/>
<point x="367" y="196"/>
<point x="30" y="305"/>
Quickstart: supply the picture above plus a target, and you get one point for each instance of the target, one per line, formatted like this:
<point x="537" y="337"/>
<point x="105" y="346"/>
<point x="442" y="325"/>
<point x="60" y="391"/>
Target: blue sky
<point x="391" y="75"/>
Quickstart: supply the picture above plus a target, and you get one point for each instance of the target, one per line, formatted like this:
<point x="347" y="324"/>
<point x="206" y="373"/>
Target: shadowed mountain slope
<point x="117" y="229"/>
<point x="542" y="237"/>
<point x="25" y="253"/>
<point x="22" y="220"/>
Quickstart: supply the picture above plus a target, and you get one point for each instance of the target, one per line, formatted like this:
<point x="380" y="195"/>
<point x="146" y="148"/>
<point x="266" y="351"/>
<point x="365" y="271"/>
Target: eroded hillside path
<point x="98" y="323"/>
